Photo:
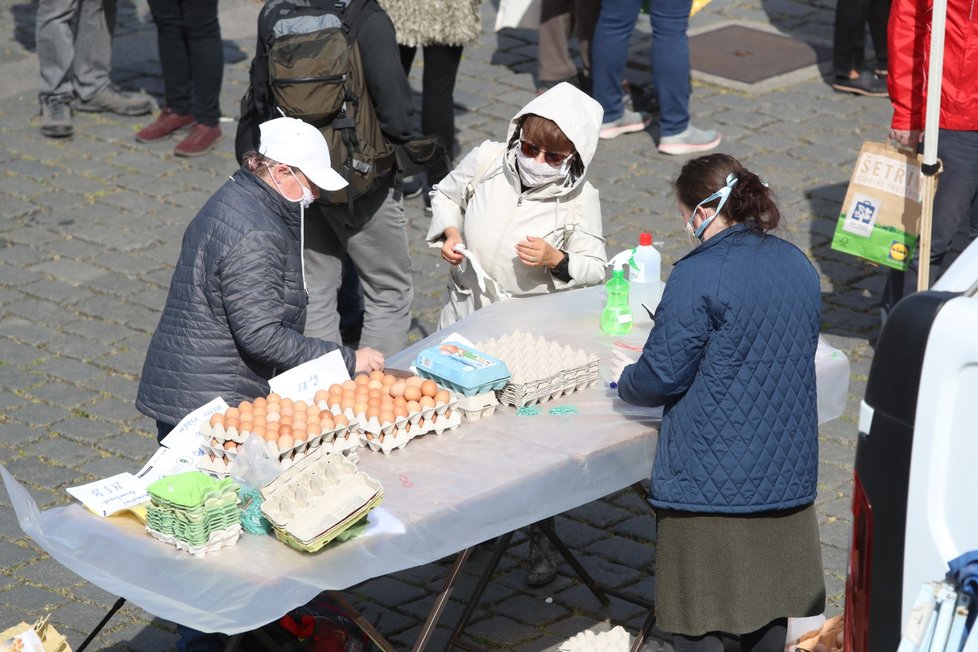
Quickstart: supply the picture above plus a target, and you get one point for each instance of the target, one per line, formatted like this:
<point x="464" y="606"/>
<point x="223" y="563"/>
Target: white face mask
<point x="305" y="200"/>
<point x="536" y="174"/>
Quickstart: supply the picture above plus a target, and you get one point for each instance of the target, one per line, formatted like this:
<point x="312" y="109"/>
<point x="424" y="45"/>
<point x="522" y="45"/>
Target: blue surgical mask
<point x="723" y="194"/>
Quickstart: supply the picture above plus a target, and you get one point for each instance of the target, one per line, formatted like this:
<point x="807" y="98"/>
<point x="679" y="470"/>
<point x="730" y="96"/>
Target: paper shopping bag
<point x="880" y="218"/>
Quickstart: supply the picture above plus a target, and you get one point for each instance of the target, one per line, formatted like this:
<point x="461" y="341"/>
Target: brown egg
<point x="347" y="403"/>
<point x="230" y="445"/>
<point x="245" y="407"/>
<point x="285" y="442"/>
<point x="326" y="424"/>
<point x="362" y="379"/>
<point x="442" y="397"/>
<point x="412" y="393"/>
<point x="273" y="417"/>
<point x="284" y="429"/>
<point x="375" y="384"/>
<point x="397" y="389"/>
<point x="388" y="379"/>
<point x="400" y="400"/>
<point x="232" y="412"/>
<point x="372" y="412"/>
<point x="414" y="381"/>
<point x="348" y="385"/>
<point x="261" y="401"/>
<point x="286" y="419"/>
<point x="386" y="417"/>
<point x="376" y="374"/>
<point x="374" y="402"/>
<point x="427" y="402"/>
<point x="400" y="411"/>
<point x="232" y="422"/>
<point x="336" y="405"/>
<point x="299" y="435"/>
<point x="271" y="435"/>
<point x="259" y="430"/>
<point x="322" y="396"/>
<point x="274" y="398"/>
<point x="386" y="402"/>
<point x="360" y="408"/>
<point x="340" y="420"/>
<point x="429" y="388"/>
<point x="287" y="410"/>
<point x="300" y="406"/>
<point x="259" y="410"/>
<point x="413" y="406"/>
<point x="217" y="418"/>
<point x="336" y="388"/>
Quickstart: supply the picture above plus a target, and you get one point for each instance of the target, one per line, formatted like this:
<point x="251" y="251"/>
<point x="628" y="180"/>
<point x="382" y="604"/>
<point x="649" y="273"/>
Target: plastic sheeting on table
<point x="443" y="493"/>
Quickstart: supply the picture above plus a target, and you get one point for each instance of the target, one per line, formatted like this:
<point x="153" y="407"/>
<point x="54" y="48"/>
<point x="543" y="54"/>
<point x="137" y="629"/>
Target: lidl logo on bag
<point x="862" y="214"/>
<point x="899" y="251"/>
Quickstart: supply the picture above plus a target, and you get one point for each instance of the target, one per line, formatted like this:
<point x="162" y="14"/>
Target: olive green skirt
<point x="736" y="573"/>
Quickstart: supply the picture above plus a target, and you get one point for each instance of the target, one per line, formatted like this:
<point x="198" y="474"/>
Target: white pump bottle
<point x="644" y="279"/>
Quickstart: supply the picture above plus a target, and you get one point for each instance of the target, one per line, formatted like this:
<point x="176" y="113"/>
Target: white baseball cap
<point x="298" y="144"/>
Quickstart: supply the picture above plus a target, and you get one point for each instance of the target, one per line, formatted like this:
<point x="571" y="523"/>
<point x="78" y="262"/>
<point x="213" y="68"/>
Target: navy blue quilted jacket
<point x="237" y="306"/>
<point x="732" y="359"/>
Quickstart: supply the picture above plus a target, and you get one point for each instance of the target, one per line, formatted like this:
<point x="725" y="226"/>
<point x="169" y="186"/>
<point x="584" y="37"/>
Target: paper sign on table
<point x="301" y="383"/>
<point x="111" y="495"/>
<point x="184" y="438"/>
<point x="167" y="462"/>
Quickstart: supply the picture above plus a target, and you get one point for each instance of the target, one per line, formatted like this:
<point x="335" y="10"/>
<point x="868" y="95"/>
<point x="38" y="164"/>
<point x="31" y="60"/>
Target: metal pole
<point x="932" y="117"/>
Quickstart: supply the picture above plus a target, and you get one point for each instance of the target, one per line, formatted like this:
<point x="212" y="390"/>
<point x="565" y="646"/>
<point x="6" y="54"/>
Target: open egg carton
<point x="289" y="430"/>
<point x="541" y="370"/>
<point x="317" y="499"/>
<point x="386" y="412"/>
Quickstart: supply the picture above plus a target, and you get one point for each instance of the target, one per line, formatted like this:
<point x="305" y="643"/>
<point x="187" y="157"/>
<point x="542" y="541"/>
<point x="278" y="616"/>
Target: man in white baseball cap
<point x="298" y="144"/>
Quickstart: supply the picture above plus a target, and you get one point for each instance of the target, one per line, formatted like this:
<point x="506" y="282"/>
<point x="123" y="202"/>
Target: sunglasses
<point x="554" y="159"/>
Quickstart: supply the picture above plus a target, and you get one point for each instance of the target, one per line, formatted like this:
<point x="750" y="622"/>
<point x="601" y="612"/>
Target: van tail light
<point x="858" y="578"/>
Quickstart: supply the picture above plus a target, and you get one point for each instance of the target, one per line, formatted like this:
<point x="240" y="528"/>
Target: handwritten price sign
<point x="301" y="383"/>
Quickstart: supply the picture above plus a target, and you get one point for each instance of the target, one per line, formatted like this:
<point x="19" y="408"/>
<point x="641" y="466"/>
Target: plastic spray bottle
<point x="644" y="279"/>
<point x="616" y="318"/>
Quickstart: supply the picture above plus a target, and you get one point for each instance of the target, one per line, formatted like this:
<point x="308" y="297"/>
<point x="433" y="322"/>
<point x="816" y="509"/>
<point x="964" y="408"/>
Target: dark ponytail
<point x="751" y="202"/>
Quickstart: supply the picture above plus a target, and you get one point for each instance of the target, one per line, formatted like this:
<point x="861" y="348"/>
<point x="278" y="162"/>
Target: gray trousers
<point x="74" y="61"/>
<point x="376" y="241"/>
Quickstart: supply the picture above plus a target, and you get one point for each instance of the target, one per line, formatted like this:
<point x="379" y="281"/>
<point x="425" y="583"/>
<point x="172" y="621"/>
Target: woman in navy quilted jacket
<point x="732" y="360"/>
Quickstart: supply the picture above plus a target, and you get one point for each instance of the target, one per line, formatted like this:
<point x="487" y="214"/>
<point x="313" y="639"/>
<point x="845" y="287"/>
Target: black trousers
<point x="437" y="95"/>
<point x="770" y="638"/>
<point x="849" y="41"/>
<point x="191" y="56"/>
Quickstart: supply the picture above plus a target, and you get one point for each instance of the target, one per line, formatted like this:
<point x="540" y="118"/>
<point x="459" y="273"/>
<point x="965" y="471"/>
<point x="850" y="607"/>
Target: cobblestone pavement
<point x="90" y="228"/>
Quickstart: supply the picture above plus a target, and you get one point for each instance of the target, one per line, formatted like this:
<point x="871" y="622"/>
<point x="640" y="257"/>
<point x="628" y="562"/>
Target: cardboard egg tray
<point x="217" y="540"/>
<point x="318" y="498"/>
<point x="436" y="422"/>
<point x="541" y="369"/>
<point x="218" y="457"/>
<point x="478" y="406"/>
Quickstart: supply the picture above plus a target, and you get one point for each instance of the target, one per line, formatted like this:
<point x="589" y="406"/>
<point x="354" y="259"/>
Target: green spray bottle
<point x="616" y="318"/>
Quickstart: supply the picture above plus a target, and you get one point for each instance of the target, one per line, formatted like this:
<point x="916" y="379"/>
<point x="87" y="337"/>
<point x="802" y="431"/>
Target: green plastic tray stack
<point x="194" y="512"/>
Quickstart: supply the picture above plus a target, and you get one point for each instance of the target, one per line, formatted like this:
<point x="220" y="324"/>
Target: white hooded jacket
<point x="498" y="214"/>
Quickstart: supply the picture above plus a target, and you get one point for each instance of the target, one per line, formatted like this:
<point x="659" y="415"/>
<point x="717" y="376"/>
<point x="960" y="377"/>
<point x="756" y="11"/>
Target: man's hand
<point x="908" y="138"/>
<point x="369" y="359"/>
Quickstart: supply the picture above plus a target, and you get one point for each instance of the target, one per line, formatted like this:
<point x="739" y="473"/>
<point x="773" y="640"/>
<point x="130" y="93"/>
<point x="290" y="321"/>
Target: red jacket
<point x="909" y="48"/>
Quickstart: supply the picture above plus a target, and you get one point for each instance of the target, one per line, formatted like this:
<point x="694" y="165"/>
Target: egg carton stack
<point x="317" y="499"/>
<point x="473" y="374"/>
<point x="288" y="429"/>
<point x="541" y="370"/>
<point x="386" y="412"/>
<point x="194" y="512"/>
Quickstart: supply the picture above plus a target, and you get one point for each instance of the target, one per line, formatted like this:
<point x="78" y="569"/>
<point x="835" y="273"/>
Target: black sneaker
<point x="868" y="83"/>
<point x="56" y="116"/>
<point x="412" y="186"/>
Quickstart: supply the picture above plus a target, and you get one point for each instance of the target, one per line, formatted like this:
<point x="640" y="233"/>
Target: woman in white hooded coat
<point x="524" y="209"/>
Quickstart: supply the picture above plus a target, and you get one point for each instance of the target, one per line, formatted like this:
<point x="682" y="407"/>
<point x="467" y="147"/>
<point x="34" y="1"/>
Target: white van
<point x="915" y="496"/>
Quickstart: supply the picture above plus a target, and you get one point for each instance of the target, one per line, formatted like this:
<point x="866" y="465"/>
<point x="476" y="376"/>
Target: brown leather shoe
<point x="201" y="140"/>
<point x="163" y="127"/>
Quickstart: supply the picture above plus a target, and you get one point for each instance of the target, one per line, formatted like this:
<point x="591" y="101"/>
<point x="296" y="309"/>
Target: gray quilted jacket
<point x="236" y="309"/>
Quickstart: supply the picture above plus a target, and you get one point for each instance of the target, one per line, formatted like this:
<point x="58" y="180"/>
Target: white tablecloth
<point x="441" y="493"/>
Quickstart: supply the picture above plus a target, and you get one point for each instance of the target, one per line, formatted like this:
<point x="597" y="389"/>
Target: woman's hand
<point x="369" y="359"/>
<point x="448" y="253"/>
<point x="537" y="252"/>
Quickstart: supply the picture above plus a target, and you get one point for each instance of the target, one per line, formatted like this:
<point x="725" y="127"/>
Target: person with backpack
<point x="329" y="64"/>
<point x="524" y="212"/>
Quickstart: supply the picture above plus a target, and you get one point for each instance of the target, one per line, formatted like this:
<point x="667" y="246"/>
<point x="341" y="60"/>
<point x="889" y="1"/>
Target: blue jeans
<point x="670" y="59"/>
<point x="954" y="202"/>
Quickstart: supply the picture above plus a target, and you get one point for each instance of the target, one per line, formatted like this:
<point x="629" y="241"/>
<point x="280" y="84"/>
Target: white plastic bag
<point x="518" y="13"/>
<point x="469" y="289"/>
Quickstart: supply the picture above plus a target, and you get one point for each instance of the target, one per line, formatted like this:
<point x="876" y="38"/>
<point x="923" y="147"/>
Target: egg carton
<point x="438" y="423"/>
<point x="318" y="498"/>
<point x="478" y="406"/>
<point x="217" y="540"/>
<point x="542" y="370"/>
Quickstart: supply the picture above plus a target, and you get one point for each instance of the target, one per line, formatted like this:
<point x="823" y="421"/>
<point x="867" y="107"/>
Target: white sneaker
<point x="691" y="141"/>
<point x="629" y="123"/>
